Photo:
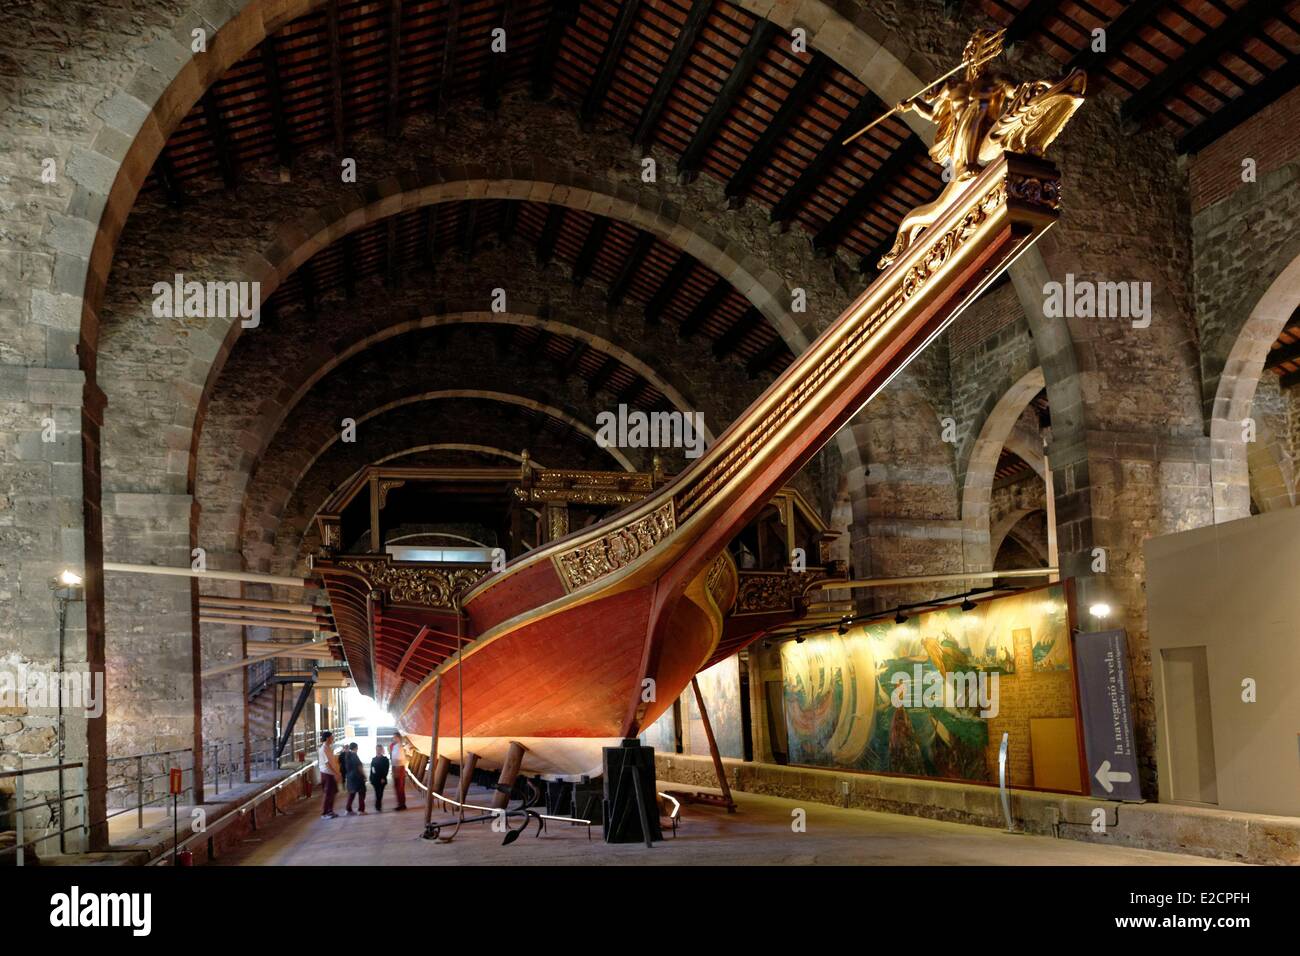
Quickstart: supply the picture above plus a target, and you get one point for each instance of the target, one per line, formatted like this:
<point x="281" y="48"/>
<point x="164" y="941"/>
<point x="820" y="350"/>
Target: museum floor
<point x="759" y="834"/>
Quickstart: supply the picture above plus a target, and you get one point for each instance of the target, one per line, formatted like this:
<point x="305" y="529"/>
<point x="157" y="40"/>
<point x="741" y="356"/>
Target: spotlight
<point x="844" y="625"/>
<point x="69" y="578"/>
<point x="767" y="645"/>
<point x="799" y="639"/>
<point x="968" y="605"/>
<point x="67" y="586"/>
<point x="1100" y="610"/>
<point x="900" y="618"/>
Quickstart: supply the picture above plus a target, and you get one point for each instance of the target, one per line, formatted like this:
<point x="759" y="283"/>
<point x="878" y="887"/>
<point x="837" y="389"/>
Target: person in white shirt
<point x="397" y="758"/>
<point x="328" y="763"/>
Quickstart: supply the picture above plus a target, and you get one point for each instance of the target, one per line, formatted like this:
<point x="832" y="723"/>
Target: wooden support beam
<point x="630" y="392"/>
<point x="466" y="776"/>
<point x="760" y="362"/>
<point x="498" y="63"/>
<point x="868" y="108"/>
<point x="1118" y="32"/>
<point x="644" y="134"/>
<point x="609" y="60"/>
<point x="668" y="288"/>
<point x="431" y="782"/>
<point x="1238" y="28"/>
<point x="591" y="247"/>
<point x="350" y="265"/>
<point x="727" y="342"/>
<point x="220" y="138"/>
<point x="218" y="601"/>
<point x="171" y="184"/>
<point x="602" y="376"/>
<point x="704" y="308"/>
<point x="509" y="219"/>
<point x="550" y="232"/>
<point x="693" y="156"/>
<point x="543" y="74"/>
<point x="1258" y="97"/>
<point x="793" y="106"/>
<point x="430" y="244"/>
<point x="448" y="68"/>
<point x="1281" y="355"/>
<point x="570" y="363"/>
<point x="1029" y="20"/>
<point x="630" y="267"/>
<point x="336" y="76"/>
<point x="392" y="263"/>
<point x="713" y="748"/>
<point x="509" y="774"/>
<point x="829" y="236"/>
<point x="307" y="278"/>
<point x="469" y="229"/>
<point x="392" y="113"/>
<point x="275" y="93"/>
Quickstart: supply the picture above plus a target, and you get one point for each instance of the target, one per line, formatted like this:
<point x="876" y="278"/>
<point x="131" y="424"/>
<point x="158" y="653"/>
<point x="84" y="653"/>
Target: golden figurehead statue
<point x="979" y="116"/>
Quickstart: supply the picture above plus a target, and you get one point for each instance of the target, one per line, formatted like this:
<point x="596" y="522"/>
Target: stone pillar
<point x="152" y="644"/>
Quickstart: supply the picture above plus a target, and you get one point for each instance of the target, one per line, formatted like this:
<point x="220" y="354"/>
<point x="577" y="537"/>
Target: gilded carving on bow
<point x="768" y="592"/>
<point x="980" y="117"/>
<point x="614" y="550"/>
<point x="427" y="586"/>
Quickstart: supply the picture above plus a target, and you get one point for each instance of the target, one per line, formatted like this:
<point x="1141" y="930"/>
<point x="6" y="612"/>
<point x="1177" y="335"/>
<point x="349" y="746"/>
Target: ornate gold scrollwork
<point x="615" y="550"/>
<point x="430" y="587"/>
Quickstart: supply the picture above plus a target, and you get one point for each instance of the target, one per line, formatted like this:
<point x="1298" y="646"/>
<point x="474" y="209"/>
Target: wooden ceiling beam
<point x="509" y="219"/>
<point x="1029" y="20"/>
<point x="1118" y="33"/>
<point x="868" y="108"/>
<point x="644" y="134"/>
<point x="429" y="248"/>
<point x="448" y="67"/>
<point x="688" y="164"/>
<point x="1281" y="355"/>
<point x="498" y="63"/>
<point x="469" y="229"/>
<point x="628" y="270"/>
<point x="550" y="233"/>
<point x="728" y="340"/>
<point x="171" y="184"/>
<point x="350" y="265"/>
<point x="668" y="288"/>
<point x="392" y="115"/>
<point x="392" y="272"/>
<point x="609" y="61"/>
<point x="220" y="139"/>
<point x="795" y="104"/>
<point x="570" y="363"/>
<point x="336" y="76"/>
<point x="543" y="74"/>
<point x="760" y="362"/>
<point x="275" y="94"/>
<point x="591" y="247"/>
<point x="602" y="376"/>
<point x="1264" y="94"/>
<point x="829" y="236"/>
<point x="307" y="278"/>
<point x="1247" y="21"/>
<point x="707" y="305"/>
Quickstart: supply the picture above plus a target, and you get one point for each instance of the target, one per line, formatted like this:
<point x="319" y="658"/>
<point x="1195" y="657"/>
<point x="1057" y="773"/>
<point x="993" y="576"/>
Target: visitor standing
<point x="330" y="774"/>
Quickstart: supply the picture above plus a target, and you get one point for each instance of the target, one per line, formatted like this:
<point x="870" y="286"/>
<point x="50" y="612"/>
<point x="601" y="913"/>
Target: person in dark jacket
<point x="355" y="776"/>
<point x="379" y="775"/>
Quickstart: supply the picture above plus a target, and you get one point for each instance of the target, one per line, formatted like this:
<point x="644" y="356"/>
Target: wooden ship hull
<point x="587" y="640"/>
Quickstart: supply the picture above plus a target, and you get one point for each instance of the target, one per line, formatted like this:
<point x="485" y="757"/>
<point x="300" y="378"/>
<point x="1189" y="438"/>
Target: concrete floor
<point x="758" y="834"/>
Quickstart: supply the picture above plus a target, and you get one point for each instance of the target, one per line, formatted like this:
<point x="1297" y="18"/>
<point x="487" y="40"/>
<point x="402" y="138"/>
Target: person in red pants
<point x="328" y="764"/>
<point x="397" y="759"/>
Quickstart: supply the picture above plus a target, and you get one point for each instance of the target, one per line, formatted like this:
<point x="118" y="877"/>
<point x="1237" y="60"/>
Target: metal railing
<point x="20" y="807"/>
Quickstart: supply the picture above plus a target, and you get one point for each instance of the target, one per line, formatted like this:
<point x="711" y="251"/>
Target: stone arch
<point x="1272" y="473"/>
<point x="978" y="488"/>
<point x="1230" y="456"/>
<point x="457" y="446"/>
